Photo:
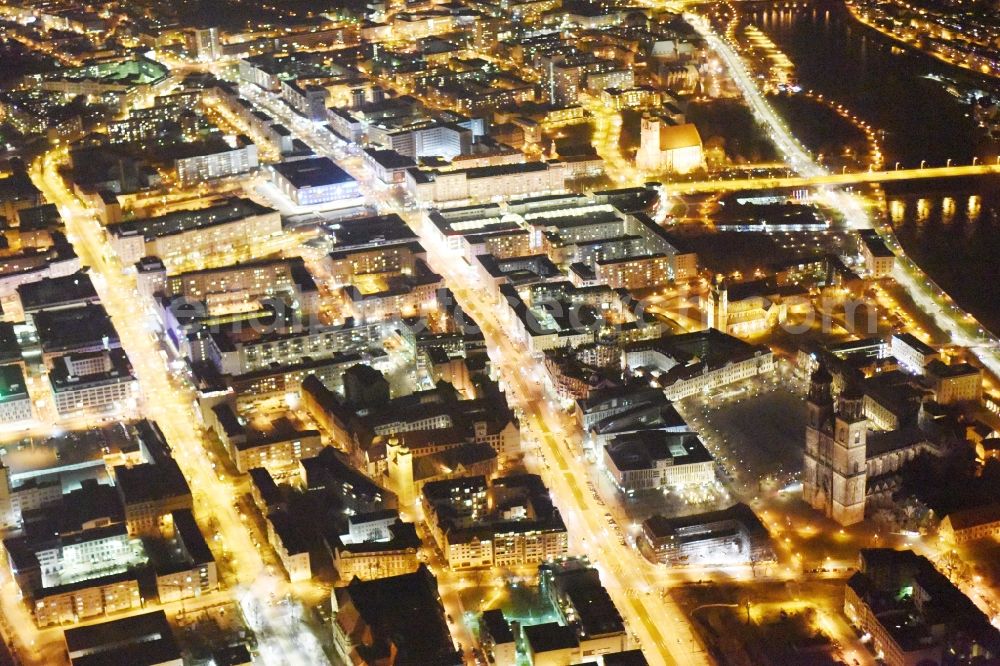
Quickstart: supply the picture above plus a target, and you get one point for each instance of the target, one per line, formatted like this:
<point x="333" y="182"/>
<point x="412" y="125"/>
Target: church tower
<point x="7" y="517"/>
<point x="648" y="157"/>
<point x="399" y="461"/>
<point x="718" y="305"/>
<point x="819" y="440"/>
<point x="850" y="444"/>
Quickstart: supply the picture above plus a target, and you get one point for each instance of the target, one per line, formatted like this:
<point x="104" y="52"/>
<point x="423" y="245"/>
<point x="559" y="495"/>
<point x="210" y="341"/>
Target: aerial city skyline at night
<point x="515" y="333"/>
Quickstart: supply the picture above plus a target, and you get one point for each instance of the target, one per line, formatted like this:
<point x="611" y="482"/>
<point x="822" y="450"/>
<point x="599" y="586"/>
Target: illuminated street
<point x="169" y="401"/>
<point x="659" y="625"/>
<point x="541" y="334"/>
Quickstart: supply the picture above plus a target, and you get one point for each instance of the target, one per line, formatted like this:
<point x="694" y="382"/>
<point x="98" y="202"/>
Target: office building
<point x="733" y="535"/>
<point x="574" y="589"/>
<point x="90" y="384"/>
<point x="312" y="181"/>
<point x="656" y="459"/>
<point x="15" y="403"/>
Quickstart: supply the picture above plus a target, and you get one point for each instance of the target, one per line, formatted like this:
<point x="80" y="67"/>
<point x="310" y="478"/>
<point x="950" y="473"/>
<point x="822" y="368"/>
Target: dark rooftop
<point x="312" y="172"/>
<point x="661" y="526"/>
<point x="185" y="220"/>
<point x="38" y="217"/>
<point x="579" y="585"/>
<point x="404" y="535"/>
<point x="497" y="627"/>
<point x="191" y="536"/>
<point x="549" y="637"/>
<point x="17" y="187"/>
<point x="626" y="658"/>
<point x="108" y="635"/>
<point x="10" y="347"/>
<point x="71" y="328"/>
<point x="943" y="370"/>
<point x="406" y="611"/>
<point x="641" y="449"/>
<point x="233" y="655"/>
<point x="390" y="159"/>
<point x="12" y="386"/>
<point x="62" y="379"/>
<point x="58" y="291"/>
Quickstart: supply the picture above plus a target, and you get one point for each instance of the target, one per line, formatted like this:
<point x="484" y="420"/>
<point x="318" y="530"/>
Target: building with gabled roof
<point x="398" y="620"/>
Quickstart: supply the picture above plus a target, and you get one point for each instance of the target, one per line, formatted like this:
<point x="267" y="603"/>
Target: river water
<point x="950" y="227"/>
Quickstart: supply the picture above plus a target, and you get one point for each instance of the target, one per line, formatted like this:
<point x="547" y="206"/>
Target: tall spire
<point x="820" y="383"/>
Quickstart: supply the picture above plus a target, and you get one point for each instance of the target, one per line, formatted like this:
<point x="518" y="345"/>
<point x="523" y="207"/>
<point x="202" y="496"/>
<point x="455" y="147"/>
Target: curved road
<point x="929" y="297"/>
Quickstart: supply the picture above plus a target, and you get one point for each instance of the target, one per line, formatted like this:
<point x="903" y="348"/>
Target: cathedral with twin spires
<point x="835" y="471"/>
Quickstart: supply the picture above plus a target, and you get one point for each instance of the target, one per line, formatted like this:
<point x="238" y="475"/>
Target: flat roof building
<point x="314" y="180"/>
<point x="140" y="640"/>
<point x="724" y="536"/>
<point x="239" y="223"/>
<point x="83" y="328"/>
<point x="652" y="459"/>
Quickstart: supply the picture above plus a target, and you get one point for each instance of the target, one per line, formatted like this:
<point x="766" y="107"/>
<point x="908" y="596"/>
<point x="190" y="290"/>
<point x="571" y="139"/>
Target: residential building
<point x="496" y="637"/>
<point x="508" y="522"/>
<point x="331" y="472"/>
<point x="400" y="615"/>
<point x="190" y="570"/>
<point x="216" y="161"/>
<point x="152" y="490"/>
<point x="914" y="614"/>
<point x="237" y="226"/>
<point x="428" y="187"/>
<point x="972" y="524"/>
<point x="378" y="558"/>
<point x="278" y="450"/>
<point x="74" y="602"/>
<point x="290" y="545"/>
<point x="879" y="259"/>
